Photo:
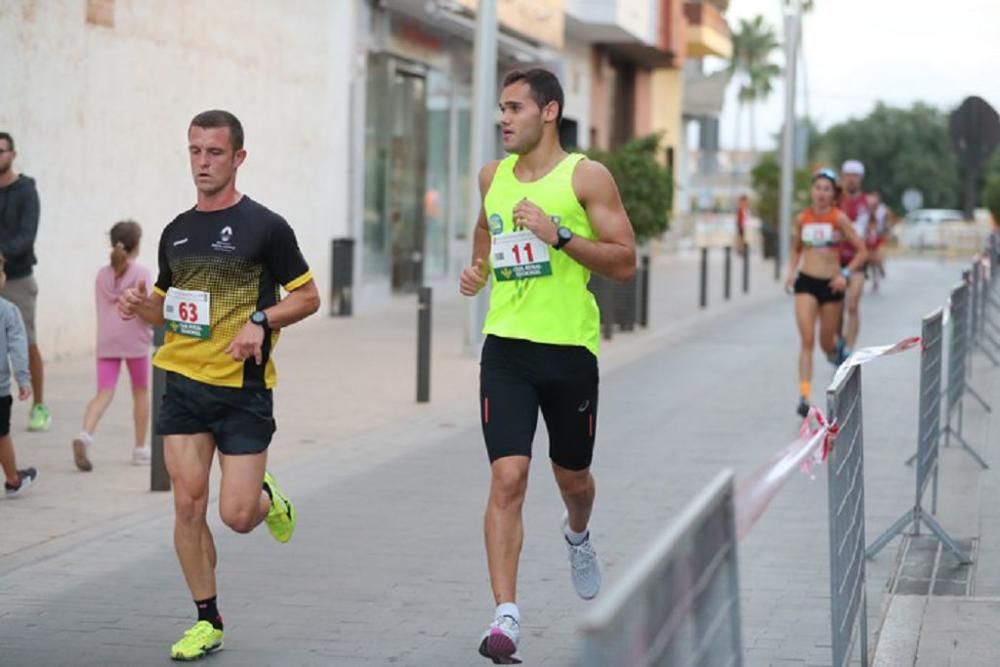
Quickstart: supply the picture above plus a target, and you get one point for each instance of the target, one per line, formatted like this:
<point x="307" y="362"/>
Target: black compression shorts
<point x="517" y="378"/>
<point x="818" y="287"/>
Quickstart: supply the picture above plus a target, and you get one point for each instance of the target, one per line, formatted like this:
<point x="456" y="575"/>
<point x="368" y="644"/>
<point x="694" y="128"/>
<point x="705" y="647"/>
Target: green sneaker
<point x="40" y="419"/>
<point x="197" y="642"/>
<point x="280" y="518"/>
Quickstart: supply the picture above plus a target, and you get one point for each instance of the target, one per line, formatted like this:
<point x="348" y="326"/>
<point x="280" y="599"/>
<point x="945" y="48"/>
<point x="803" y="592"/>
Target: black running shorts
<point x="5" y="404"/>
<point x="517" y="378"/>
<point x="240" y="420"/>
<point x="818" y="287"/>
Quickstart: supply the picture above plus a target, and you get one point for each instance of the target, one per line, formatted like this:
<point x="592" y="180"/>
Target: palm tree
<point x="751" y="67"/>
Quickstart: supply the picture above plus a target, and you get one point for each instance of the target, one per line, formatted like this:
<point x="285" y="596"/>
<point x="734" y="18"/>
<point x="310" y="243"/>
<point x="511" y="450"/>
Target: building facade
<point x="357" y="116"/>
<point x="98" y="96"/>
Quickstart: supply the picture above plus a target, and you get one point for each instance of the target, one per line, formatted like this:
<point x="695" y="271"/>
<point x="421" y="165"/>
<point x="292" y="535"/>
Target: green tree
<point x="765" y="178"/>
<point x="900" y="148"/>
<point x="751" y="68"/>
<point x="646" y="186"/>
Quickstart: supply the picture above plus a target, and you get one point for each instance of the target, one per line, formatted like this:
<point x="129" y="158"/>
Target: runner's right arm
<point x="147" y="304"/>
<point x="475" y="275"/>
<point x="794" y="255"/>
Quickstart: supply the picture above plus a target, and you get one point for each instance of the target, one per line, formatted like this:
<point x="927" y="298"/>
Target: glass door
<point x="407" y="177"/>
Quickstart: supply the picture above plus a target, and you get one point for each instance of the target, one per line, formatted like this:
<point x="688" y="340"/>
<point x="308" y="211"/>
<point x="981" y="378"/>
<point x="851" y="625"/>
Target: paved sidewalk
<point x="388" y="567"/>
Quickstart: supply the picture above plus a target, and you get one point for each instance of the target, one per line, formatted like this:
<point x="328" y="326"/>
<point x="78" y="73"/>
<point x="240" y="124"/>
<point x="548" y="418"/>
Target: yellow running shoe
<point x="197" y="642"/>
<point x="280" y="518"/>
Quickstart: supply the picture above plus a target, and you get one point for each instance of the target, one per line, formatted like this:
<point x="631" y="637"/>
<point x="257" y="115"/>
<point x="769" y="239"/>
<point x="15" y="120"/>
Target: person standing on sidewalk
<point x="14" y="347"/>
<point x="119" y="341"/>
<point x="854" y="203"/>
<point x="548" y="219"/>
<point x="817" y="280"/>
<point x="742" y="217"/>
<point x="220" y="267"/>
<point x="19" y="211"/>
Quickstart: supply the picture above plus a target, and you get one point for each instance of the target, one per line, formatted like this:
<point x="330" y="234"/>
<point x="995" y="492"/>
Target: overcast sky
<point x="897" y="51"/>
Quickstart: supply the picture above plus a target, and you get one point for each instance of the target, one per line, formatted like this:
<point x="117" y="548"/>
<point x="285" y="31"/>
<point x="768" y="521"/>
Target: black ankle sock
<point x="208" y="611"/>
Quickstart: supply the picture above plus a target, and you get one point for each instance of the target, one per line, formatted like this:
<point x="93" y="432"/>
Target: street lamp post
<point x="792" y="24"/>
<point x="483" y="141"/>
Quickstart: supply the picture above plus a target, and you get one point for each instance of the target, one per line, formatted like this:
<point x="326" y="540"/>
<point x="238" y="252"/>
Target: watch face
<point x="565" y="234"/>
<point x="258" y="318"/>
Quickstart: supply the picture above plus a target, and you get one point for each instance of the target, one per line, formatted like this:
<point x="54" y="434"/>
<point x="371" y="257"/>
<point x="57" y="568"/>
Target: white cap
<point x="853" y="167"/>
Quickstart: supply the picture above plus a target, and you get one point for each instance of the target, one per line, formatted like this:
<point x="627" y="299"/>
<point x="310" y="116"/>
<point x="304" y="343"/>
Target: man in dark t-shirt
<point x="221" y="264"/>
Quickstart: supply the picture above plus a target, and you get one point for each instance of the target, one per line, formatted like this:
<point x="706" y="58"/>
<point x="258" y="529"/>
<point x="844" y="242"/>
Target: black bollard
<point x="159" y="480"/>
<point x="644" y="285"/>
<point x="746" y="268"/>
<point x="424" y="345"/>
<point x="728" y="273"/>
<point x="703" y="301"/>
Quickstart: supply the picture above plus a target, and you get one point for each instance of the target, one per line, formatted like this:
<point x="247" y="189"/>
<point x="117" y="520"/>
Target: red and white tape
<point x="816" y="438"/>
<point x="755" y="493"/>
<point x="866" y="354"/>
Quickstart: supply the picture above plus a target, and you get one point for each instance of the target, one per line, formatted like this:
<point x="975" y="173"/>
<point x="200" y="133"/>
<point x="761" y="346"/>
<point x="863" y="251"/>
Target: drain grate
<point x="926" y="567"/>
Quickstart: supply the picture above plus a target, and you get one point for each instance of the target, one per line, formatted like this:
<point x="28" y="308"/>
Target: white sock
<point x="509" y="609"/>
<point x="86" y="437"/>
<point x="576" y="539"/>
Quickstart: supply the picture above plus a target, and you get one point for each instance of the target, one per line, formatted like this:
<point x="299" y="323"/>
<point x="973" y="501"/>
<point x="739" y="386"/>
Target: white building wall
<point x="576" y="86"/>
<point x="100" y="117"/>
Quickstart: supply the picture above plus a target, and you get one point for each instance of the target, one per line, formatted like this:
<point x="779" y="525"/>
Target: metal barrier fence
<point x="846" y="487"/>
<point x="928" y="439"/>
<point x="989" y="330"/>
<point x="679" y="605"/>
<point x="958" y="384"/>
<point x="980" y="298"/>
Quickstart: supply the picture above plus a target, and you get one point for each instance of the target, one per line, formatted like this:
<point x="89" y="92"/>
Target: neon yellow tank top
<point x="553" y="307"/>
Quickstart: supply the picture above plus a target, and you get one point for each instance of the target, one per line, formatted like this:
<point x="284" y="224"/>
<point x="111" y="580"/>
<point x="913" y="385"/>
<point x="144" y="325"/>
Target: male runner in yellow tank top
<point x="548" y="219"/>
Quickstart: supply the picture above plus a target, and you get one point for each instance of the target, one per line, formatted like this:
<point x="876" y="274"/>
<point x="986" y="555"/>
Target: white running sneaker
<point x="500" y="641"/>
<point x="585" y="568"/>
<point x="81" y="452"/>
<point x="142" y="456"/>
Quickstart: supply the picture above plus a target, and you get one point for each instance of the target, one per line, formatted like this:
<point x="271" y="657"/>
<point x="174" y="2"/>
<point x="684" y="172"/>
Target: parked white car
<point x="925" y="227"/>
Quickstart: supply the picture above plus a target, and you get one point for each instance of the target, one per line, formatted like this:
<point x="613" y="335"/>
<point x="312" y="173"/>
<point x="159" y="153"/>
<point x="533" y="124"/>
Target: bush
<point x="765" y="178"/>
<point x="646" y="186"/>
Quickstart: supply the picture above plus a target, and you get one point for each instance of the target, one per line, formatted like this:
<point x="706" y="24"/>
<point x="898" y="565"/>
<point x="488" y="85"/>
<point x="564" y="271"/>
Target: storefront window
<point x="376" y="230"/>
<point x="437" y="195"/>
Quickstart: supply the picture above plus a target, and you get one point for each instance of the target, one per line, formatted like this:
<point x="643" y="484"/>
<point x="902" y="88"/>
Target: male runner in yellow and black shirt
<point x="220" y="268"/>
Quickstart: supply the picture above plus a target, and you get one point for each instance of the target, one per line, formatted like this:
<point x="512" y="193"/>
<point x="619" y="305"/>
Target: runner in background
<point x="879" y="223"/>
<point x="854" y="204"/>
<point x="816" y="278"/>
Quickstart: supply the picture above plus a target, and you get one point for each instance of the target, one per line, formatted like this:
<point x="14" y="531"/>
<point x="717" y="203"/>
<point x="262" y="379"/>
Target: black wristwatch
<point x="260" y="318"/>
<point x="564" y="236"/>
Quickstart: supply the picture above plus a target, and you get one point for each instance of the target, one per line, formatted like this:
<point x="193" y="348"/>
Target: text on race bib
<point x="817" y="234"/>
<point x="188" y="313"/>
<point x="520" y="255"/>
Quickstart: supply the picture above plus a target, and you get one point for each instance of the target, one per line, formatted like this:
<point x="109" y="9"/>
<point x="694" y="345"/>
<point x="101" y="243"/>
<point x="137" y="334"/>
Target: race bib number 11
<point x="188" y="312"/>
<point x="520" y="255"/>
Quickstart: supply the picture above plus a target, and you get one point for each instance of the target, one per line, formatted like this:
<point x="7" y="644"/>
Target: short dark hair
<point x="220" y="118"/>
<point x="10" y="139"/>
<point x="544" y="85"/>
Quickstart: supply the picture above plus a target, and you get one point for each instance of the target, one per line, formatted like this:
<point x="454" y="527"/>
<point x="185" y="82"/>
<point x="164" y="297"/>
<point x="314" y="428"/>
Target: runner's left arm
<point x="612" y="254"/>
<point x="847" y="229"/>
<point x="289" y="267"/>
<point x="300" y="303"/>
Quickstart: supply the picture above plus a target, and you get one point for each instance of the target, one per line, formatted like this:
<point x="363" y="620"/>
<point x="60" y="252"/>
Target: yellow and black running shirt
<point x="239" y="256"/>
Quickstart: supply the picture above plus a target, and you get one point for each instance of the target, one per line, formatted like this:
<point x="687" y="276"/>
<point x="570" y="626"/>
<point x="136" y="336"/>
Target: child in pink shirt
<point x="119" y="340"/>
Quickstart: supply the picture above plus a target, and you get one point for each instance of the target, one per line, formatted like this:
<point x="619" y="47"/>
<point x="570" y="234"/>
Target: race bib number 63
<point x="188" y="312"/>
